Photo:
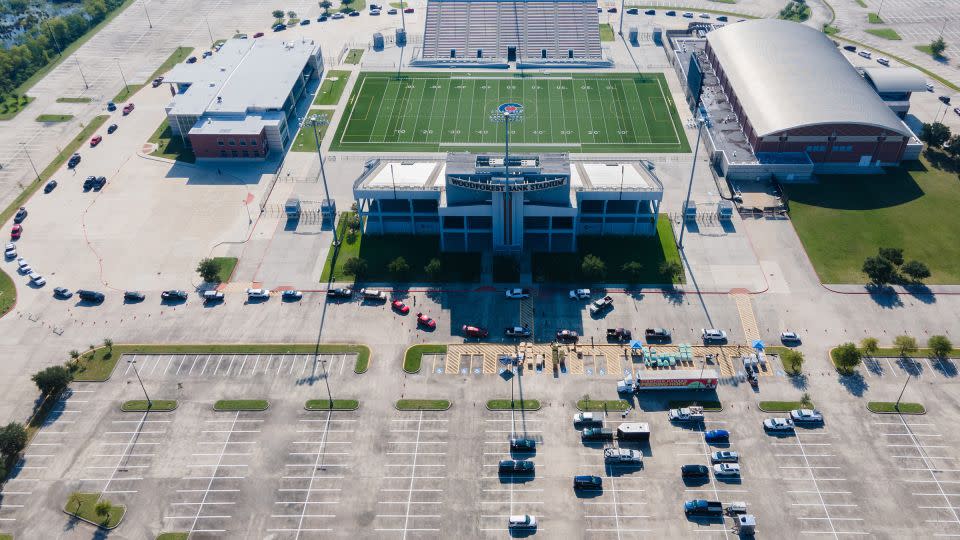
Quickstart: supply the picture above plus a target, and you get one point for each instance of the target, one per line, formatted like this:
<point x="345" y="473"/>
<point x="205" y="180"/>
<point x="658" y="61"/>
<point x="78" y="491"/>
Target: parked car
<point x="400" y="307"/>
<point x="95" y="140"/>
<point x="716" y="436"/>
<point x="518" y="294"/>
<point x="20" y="215"/>
<point x="51" y="185"/>
<point x="704" y="15"/>
<point x="517" y="331"/>
<point x="612" y="10"/>
<point x="686" y="414"/>
<point x="474" y="331"/>
<point x="157" y="82"/>
<point x="722" y="18"/>
<point x="90" y="296"/>
<point x="657" y="334"/>
<point x="373" y="295"/>
<point x="111" y="106"/>
<point x="62" y="292"/>
<point x="956" y="110"/>
<point x="522" y="444"/>
<point x="701" y="507"/>
<point x="620" y="335"/>
<point x="652" y="12"/>
<point x="11" y="251"/>
<point x="587" y="482"/>
<point x="95" y="183"/>
<point x="789" y="337"/>
<point x="36" y="279"/>
<point x="111" y="129"/>
<point x="276" y="28"/>
<point x="712" y="335"/>
<point x="883" y="61"/>
<point x="688" y="15"/>
<point x="806" y="416"/>
<point x="23" y="266"/>
<point x="725" y="456"/>
<point x="567" y="336"/>
<point x="322" y="18"/>
<point x="865" y="54"/>
<point x="426" y="321"/>
<point x="851" y="48"/>
<point x="524" y="521"/>
<point x="596" y="434"/>
<point x="726" y="469"/>
<point x="374" y="12"/>
<point x="208" y="54"/>
<point x="291" y="295"/>
<point x="601" y="305"/>
<point x="929" y="87"/>
<point x="304" y="22"/>
<point x="515" y="466"/>
<point x="944" y="99"/>
<point x="134" y="296"/>
<point x="212" y="296"/>
<point x="694" y="471"/>
<point x="73" y="161"/>
<point x="580" y="294"/>
<point x="354" y="14"/>
<point x="778" y="425"/>
<point x="258" y="35"/>
<point x="193" y="59"/>
<point x="408" y="10"/>
<point x="174" y="295"/>
<point x="16" y="231"/>
<point x="128" y="108"/>
<point x="391" y="12"/>
<point x="587" y="419"/>
<point x="337" y="16"/>
<point x="622" y="456"/>
<point x="341" y="292"/>
<point x="258" y="294"/>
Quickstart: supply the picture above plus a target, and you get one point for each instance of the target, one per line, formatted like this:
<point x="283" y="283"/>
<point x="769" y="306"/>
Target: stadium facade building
<point x="779" y="99"/>
<point x="895" y="86"/>
<point x="240" y="102"/>
<point x="494" y="33"/>
<point x="476" y="202"/>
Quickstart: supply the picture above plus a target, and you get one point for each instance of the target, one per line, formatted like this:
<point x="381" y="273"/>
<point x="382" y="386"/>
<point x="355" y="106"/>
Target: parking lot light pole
<point x="316" y="120"/>
<point x="209" y="33"/>
<point x="134" y="364"/>
<point x="80" y="69"/>
<point x="148" y="14"/>
<point x="125" y="85"/>
<point x="24" y="145"/>
<point x="896" y="406"/>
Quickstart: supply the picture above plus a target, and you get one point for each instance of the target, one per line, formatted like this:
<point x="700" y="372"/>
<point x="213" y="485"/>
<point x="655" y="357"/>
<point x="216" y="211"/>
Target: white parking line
<point x="206" y="493"/>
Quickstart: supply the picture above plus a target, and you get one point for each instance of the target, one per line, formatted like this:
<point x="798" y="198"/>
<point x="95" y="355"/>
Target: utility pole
<point x="137" y="373"/>
<point x="622" y="2"/>
<point x="24" y="145"/>
<point x="316" y="120"/>
<point x="125" y="85"/>
<point x="148" y="14"/>
<point x="693" y="167"/>
<point x="85" y="85"/>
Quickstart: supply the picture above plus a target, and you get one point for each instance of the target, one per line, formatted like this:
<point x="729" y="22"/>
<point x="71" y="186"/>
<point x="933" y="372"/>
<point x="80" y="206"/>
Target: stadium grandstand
<point x="494" y="33"/>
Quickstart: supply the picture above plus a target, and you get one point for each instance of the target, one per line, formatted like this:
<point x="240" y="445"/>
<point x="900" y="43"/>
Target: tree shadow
<point x="945" y="366"/>
<point x="921" y="292"/>
<point x="800" y="381"/>
<point x="910" y="366"/>
<point x="884" y="296"/>
<point x="867" y="192"/>
<point x="941" y="160"/>
<point x="855" y="383"/>
<point x="673" y="295"/>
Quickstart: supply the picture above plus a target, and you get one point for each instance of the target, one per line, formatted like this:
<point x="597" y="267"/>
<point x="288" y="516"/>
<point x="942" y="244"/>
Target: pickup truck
<point x="601" y="305"/>
<point x="596" y="434"/>
<point x="687" y="414"/>
<point x="373" y="295"/>
<point x="586" y="418"/>
<point x="702" y="507"/>
<point x="619" y="334"/>
<point x="517" y="331"/>
<point x="657" y="334"/>
<point x="622" y="455"/>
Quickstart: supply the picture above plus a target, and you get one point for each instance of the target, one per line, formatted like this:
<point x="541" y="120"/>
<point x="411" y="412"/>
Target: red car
<point x="95" y="141"/>
<point x="408" y="10"/>
<point x="474" y="331"/>
<point x="400" y="307"/>
<point x="258" y="34"/>
<point x="128" y="109"/>
<point x="423" y="320"/>
<point x="16" y="231"/>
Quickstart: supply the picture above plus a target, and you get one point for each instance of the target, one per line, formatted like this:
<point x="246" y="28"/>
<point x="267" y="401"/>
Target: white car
<point x="781" y="425"/>
<point x="524" y="521"/>
<point x="713" y="334"/>
<point x="337" y="16"/>
<point x="518" y="294"/>
<point x="25" y="268"/>
<point x="883" y="61"/>
<point x="725" y="456"/>
<point x="37" y="279"/>
<point x="726" y="469"/>
<point x="789" y="337"/>
<point x="10" y="253"/>
<point x="622" y="455"/>
<point x="587" y="418"/>
<point x="580" y="294"/>
<point x="808" y="416"/>
<point x="929" y="87"/>
<point x="258" y="293"/>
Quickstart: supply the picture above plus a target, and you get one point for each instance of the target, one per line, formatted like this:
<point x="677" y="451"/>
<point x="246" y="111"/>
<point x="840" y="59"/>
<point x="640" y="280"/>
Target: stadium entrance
<point x="511" y="54"/>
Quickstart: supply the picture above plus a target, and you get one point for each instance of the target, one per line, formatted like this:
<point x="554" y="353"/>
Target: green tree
<point x="108" y="343"/>
<point x="292" y="14"/>
<point x="209" y="270"/>
<point x="939" y="346"/>
<point x="894" y="255"/>
<point x="633" y="271"/>
<point x="869" y="346"/>
<point x="879" y="270"/>
<point x="52" y="380"/>
<point x="806" y="401"/>
<point x="355" y="266"/>
<point x="671" y="270"/>
<point x="326" y="5"/>
<point x="792" y="358"/>
<point x="953" y="146"/>
<point x="103" y="508"/>
<point x="277" y="14"/>
<point x="905" y="344"/>
<point x="433" y="268"/>
<point x="75" y="354"/>
<point x="398" y="267"/>
<point x="13" y="439"/>
<point x="934" y="134"/>
<point x="847" y="357"/>
<point x="916" y="270"/>
<point x="937" y="46"/>
<point x="593" y="267"/>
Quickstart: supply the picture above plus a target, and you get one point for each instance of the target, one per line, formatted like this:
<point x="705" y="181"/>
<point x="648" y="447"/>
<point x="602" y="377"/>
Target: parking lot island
<point x="335" y="405"/>
<point x="513" y="404"/>
<point x="422" y="405"/>
<point x="889" y="407"/>
<point x="596" y="405"/>
<point x="154" y="405"/>
<point x="84" y="506"/>
<point x="241" y="405"/>
<point x="414" y="355"/>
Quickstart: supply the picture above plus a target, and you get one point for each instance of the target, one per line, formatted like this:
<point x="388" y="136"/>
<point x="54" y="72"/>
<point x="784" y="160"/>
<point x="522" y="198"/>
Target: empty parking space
<point x="921" y="368"/>
<point x="181" y="367"/>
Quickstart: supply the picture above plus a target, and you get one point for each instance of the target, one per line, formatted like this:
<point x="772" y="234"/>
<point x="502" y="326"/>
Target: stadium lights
<point x="506" y="113"/>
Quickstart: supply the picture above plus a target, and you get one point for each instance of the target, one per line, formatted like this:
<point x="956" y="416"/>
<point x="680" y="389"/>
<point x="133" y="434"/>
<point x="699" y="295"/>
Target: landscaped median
<point x="336" y="405"/>
<point x="8" y="293"/>
<point x="422" y="405"/>
<point x="783" y="406"/>
<point x="596" y="405"/>
<point x="414" y="355"/>
<point x="154" y="405"/>
<point x="173" y="536"/>
<point x="241" y="405"/>
<point x="513" y="404"/>
<point x="889" y="407"/>
<point x="91" y="508"/>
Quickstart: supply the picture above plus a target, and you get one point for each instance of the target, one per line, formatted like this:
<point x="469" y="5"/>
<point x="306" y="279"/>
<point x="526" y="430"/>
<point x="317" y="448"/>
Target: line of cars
<point x="10" y="251"/>
<point x="174" y="295"/>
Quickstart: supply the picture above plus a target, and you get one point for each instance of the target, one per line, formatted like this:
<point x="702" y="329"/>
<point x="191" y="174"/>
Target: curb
<point x="604" y="410"/>
<point x="241" y="410"/>
<point x="97" y="525"/>
<point x="447" y="408"/>
<point x="771" y="411"/>
<point x="332" y="409"/>
<point x="898" y="412"/>
<point x="537" y="408"/>
<point x="175" y="407"/>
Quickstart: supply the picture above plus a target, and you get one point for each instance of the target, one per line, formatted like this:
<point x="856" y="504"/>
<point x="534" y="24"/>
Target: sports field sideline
<point x="429" y="112"/>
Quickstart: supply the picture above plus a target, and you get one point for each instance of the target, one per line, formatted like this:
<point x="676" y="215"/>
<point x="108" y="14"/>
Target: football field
<point x="590" y="112"/>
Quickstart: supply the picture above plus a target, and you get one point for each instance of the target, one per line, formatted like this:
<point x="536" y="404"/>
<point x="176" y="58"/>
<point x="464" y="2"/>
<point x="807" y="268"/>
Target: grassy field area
<point x="361" y="365"/>
<point x="580" y="112"/>
<point x="10" y="106"/>
<point x="873" y="18"/>
<point x="423" y="404"/>
<point x="98" y="365"/>
<point x="885" y="33"/>
<point x="380" y="250"/>
<point x="614" y="251"/>
<point x="596" y="405"/>
<point x="306" y="141"/>
<point x="891" y="407"/>
<point x="606" y="32"/>
<point x="861" y="3"/>
<point x="507" y="404"/>
<point x="226" y="264"/>
<point x="332" y="87"/>
<point x="74" y="100"/>
<point x="141" y="405"/>
<point x="241" y="405"/>
<point x="710" y="406"/>
<point x="82" y="138"/>
<point x="170" y="146"/>
<point x="414" y="355"/>
<point x="83" y="505"/>
<point x="173" y="536"/>
<point x="8" y="293"/>
<point x="338" y="405"/>
<point x="353" y="56"/>
<point x="54" y="117"/>
<point x="844" y="219"/>
<point x="178" y="55"/>
<point x="126" y="92"/>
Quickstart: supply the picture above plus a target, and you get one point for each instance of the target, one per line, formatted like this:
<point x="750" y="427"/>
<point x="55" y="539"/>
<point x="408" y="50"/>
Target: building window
<point x="246" y="154"/>
<point x="232" y="142"/>
<point x="569" y="53"/>
<point x="243" y="142"/>
<point x="223" y="153"/>
<point x="543" y="53"/>
<point x="843" y="148"/>
<point x="816" y="148"/>
<point x="219" y="142"/>
<point x="253" y="142"/>
<point x="453" y="53"/>
<point x="233" y="153"/>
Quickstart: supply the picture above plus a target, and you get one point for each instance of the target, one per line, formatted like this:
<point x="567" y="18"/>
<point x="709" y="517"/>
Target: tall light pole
<point x="880" y="8"/>
<point x="506" y="113"/>
<point x="209" y="33"/>
<point x="125" y="85"/>
<point x="316" y="120"/>
<point x="137" y="373"/>
<point x="85" y="85"/>
<point x="896" y="406"/>
<point x="24" y="145"/>
<point x="148" y="14"/>
<point x="403" y="24"/>
<point x="622" y="2"/>
<point x="693" y="167"/>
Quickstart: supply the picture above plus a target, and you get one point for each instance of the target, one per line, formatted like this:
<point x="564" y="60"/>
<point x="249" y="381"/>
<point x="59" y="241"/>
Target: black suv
<point x="74" y="161"/>
<point x="343" y="292"/>
<point x="133" y="296"/>
<point x="587" y="482"/>
<point x="90" y="296"/>
<point x="694" y="471"/>
<point x="174" y="295"/>
<point x="511" y="466"/>
<point x="520" y="444"/>
<point x="95" y="183"/>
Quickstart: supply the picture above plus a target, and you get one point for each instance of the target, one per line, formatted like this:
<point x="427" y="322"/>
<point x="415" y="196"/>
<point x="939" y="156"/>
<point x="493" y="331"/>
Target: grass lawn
<point x="355" y="5"/>
<point x="74" y="100"/>
<point x="615" y="251"/>
<point x="126" y="92"/>
<point x="602" y="405"/>
<point x="362" y="363"/>
<point x="98" y="366"/>
<point x="353" y="56"/>
<point x="885" y="33"/>
<point x="423" y="404"/>
<point x="338" y="405"/>
<point x="83" y="505"/>
<point x="506" y="404"/>
<point x="332" y="87"/>
<point x="226" y="264"/>
<point x="82" y="138"/>
<point x="830" y="30"/>
<point x="787" y="368"/>
<point x="398" y="5"/>
<point x="925" y="49"/>
<point x="5" y="536"/>
<point x="844" y="219"/>
<point x="891" y="407"/>
<point x="711" y="406"/>
<point x="306" y="141"/>
<point x="380" y="250"/>
<point x="170" y="146"/>
<point x="577" y="112"/>
<point x="414" y="355"/>
<point x="8" y="293"/>
<point x="141" y="405"/>
<point x="173" y="536"/>
<point x="873" y="18"/>
<point x="179" y="55"/>
<point x="782" y="406"/>
<point x="10" y="107"/>
<point x="606" y="32"/>
<point x="241" y="405"/>
<point x="54" y="117"/>
<point x="861" y="3"/>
